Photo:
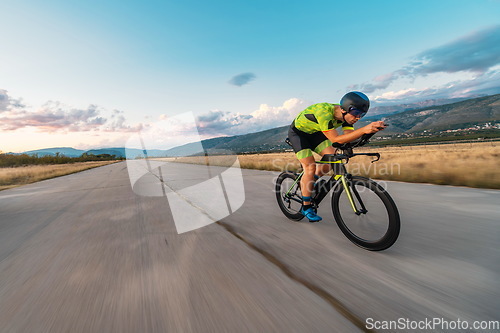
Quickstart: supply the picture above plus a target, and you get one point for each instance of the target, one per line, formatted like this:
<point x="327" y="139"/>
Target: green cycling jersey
<point x="319" y="118"/>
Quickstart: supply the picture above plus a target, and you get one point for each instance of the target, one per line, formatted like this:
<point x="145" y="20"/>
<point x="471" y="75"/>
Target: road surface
<point x="84" y="253"/>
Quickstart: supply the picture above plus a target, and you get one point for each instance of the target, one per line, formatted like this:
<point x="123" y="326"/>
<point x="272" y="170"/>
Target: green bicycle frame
<point x="295" y="183"/>
<point x="344" y="182"/>
<point x="339" y="168"/>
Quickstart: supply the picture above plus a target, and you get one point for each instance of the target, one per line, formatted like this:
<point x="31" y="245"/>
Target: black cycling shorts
<point x="304" y="143"/>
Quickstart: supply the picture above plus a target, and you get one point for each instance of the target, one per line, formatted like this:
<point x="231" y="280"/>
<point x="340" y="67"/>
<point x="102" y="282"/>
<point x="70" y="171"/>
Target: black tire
<point x="291" y="205"/>
<point x="377" y="229"/>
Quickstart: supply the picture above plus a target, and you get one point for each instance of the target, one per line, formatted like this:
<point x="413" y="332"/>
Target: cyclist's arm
<point x="334" y="136"/>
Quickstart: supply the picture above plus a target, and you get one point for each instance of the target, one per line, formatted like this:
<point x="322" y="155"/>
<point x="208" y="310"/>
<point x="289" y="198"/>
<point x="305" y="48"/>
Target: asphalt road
<point x="84" y="253"/>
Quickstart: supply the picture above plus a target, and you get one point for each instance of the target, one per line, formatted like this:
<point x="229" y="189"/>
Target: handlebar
<point x="347" y="149"/>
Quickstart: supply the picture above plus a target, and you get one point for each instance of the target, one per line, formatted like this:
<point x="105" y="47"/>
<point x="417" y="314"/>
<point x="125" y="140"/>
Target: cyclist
<point x="314" y="129"/>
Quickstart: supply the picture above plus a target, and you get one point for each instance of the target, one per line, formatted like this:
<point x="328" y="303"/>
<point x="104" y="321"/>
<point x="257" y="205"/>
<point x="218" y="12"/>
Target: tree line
<point x="16" y="160"/>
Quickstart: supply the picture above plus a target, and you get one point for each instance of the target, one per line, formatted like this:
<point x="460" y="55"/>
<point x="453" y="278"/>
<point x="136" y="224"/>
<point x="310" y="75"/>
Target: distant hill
<point x="66" y="151"/>
<point x="449" y="116"/>
<point x="261" y="141"/>
<point x="118" y="152"/>
<point x="387" y="110"/>
<point x="456" y="115"/>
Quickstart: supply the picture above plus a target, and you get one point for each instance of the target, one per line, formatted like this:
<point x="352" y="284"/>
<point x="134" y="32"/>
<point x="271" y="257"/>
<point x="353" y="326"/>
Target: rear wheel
<point x="289" y="195"/>
<point x="376" y="226"/>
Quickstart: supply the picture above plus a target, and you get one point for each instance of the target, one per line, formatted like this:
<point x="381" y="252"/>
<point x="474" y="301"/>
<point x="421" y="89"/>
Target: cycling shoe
<point x="311" y="215"/>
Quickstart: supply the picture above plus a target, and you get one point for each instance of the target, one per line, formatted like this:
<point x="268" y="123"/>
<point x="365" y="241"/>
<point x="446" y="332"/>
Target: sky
<point x="90" y="74"/>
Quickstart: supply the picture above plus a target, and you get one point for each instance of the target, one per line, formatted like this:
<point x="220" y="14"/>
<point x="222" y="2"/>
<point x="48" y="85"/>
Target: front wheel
<point x="289" y="195"/>
<point x="375" y="224"/>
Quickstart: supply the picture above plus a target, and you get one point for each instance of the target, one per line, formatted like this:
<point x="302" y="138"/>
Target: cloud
<point x="4" y="100"/>
<point x="8" y="103"/>
<point x="476" y="53"/>
<point x="487" y="83"/>
<point x="211" y="116"/>
<point x="216" y="122"/>
<point x="54" y="116"/>
<point x="242" y="79"/>
<point x="118" y="123"/>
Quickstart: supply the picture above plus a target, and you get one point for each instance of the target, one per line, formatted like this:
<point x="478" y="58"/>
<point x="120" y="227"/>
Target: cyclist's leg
<point x="323" y="169"/>
<point x="307" y="181"/>
<point x="306" y="186"/>
<point x="303" y="145"/>
<point x="322" y="146"/>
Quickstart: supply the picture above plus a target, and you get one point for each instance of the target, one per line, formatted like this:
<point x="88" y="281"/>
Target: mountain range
<point x="457" y="115"/>
<point x="118" y="152"/>
<point x="385" y="110"/>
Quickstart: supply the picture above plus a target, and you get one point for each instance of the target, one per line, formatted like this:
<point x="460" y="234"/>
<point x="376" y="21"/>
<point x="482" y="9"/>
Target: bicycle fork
<point x="349" y="192"/>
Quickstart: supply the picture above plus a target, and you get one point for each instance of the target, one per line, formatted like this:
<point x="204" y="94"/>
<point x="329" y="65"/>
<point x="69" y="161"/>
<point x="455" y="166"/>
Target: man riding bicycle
<point x="314" y="129"/>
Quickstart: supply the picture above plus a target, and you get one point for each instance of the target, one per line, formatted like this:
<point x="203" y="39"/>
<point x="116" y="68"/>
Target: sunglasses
<point x="356" y="112"/>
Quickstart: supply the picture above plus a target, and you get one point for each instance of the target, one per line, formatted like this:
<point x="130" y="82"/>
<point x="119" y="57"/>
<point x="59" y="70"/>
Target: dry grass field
<point x="463" y="164"/>
<point x="12" y="177"/>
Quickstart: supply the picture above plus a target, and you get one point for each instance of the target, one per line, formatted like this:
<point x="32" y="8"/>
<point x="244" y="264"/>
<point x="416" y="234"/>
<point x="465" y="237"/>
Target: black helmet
<point x="356" y="103"/>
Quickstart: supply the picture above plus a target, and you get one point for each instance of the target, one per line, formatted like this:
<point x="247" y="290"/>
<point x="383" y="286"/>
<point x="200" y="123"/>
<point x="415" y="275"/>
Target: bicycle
<point x="364" y="211"/>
